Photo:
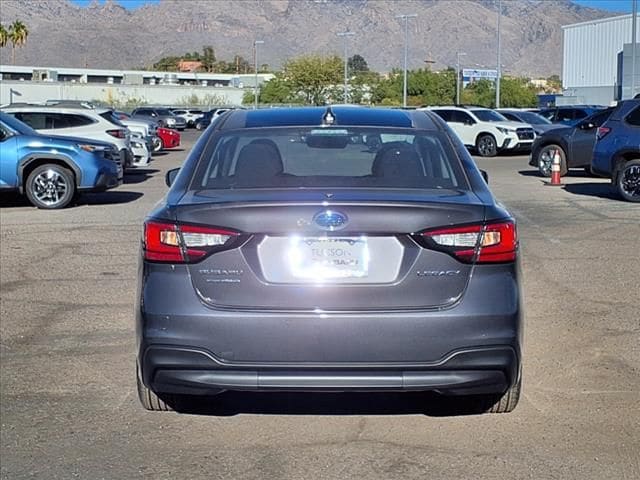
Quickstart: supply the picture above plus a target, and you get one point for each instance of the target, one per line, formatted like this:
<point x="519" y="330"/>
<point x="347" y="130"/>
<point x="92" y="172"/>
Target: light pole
<point x="255" y="62"/>
<point x="458" y="55"/>
<point x="345" y="35"/>
<point x="634" y="27"/>
<point x="499" y="62"/>
<point x="406" y="18"/>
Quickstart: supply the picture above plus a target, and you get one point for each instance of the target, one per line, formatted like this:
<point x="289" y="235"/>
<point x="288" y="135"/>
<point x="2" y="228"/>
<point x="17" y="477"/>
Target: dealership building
<point x="598" y="63"/>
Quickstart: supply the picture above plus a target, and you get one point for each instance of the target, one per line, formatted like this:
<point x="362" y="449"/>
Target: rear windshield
<point x="489" y="116"/>
<point x="330" y="157"/>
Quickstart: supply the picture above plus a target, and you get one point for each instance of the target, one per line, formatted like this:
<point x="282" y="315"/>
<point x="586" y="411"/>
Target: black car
<point x="573" y="144"/>
<point x="569" y="114"/>
<point x="329" y="249"/>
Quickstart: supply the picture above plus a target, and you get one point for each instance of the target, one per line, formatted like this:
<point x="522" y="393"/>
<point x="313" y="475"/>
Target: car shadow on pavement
<point x="107" y="198"/>
<point x="591" y="189"/>
<point x="138" y="175"/>
<point x="308" y="403"/>
<point x="571" y="174"/>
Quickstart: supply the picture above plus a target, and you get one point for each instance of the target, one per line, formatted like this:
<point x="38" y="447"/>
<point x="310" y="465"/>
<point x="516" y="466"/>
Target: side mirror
<point x="485" y="175"/>
<point x="170" y="176"/>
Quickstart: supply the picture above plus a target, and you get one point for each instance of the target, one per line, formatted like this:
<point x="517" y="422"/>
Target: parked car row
<point x="56" y="140"/>
<point x="606" y="143"/>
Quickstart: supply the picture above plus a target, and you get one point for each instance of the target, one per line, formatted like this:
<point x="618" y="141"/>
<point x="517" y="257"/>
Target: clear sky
<point x="613" y="5"/>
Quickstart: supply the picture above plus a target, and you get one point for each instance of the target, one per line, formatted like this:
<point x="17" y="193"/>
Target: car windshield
<point x="485" y="115"/>
<point x="533" y="118"/>
<point x="297" y="157"/>
<point x="16" y="125"/>
<point x="164" y="112"/>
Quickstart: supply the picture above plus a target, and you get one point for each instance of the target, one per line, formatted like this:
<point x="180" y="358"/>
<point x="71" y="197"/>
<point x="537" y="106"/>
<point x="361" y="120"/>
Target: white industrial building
<point x="597" y="61"/>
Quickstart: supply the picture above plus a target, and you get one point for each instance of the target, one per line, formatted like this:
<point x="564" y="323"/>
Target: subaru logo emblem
<point x="330" y="220"/>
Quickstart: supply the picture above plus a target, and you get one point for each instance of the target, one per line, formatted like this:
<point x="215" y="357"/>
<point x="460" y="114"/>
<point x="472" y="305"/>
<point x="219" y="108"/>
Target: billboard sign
<point x="470" y="75"/>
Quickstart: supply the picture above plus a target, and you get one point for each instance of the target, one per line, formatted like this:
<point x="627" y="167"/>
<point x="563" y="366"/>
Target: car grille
<point x="525" y="133"/>
<point x="113" y="155"/>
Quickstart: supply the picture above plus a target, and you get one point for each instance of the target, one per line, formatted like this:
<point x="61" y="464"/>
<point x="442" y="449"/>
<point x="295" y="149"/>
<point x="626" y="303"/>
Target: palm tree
<point x="4" y="36"/>
<point x="18" y="34"/>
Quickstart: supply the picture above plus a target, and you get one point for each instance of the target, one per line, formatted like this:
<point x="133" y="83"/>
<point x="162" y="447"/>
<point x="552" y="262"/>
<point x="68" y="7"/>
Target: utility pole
<point x="458" y="55"/>
<point x="634" y="27"/>
<point x="406" y="18"/>
<point x="345" y="36"/>
<point x="499" y="69"/>
<point x="255" y="66"/>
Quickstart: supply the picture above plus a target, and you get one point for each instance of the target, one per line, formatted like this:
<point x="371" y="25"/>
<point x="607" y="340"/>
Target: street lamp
<point x="499" y="62"/>
<point x="345" y="35"/>
<point x="406" y="18"/>
<point x="255" y="63"/>
<point x="458" y="55"/>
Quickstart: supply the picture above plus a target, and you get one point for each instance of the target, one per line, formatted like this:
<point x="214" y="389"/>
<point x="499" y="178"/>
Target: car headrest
<point x="257" y="162"/>
<point x="398" y="159"/>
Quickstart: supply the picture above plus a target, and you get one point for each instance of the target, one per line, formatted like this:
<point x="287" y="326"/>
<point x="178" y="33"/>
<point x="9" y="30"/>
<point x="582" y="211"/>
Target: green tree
<point x="275" y="91"/>
<point x="17" y="34"/>
<point x="357" y="64"/>
<point x="208" y="58"/>
<point x="314" y="77"/>
<point x="517" y="93"/>
<point x="4" y="36"/>
<point x="481" y="92"/>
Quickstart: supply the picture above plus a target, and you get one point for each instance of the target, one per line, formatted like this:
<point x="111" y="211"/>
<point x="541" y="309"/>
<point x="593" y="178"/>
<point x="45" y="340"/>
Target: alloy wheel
<point x="49" y="187"/>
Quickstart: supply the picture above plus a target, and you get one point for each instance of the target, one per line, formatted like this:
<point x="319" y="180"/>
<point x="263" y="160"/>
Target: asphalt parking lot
<point x="69" y="410"/>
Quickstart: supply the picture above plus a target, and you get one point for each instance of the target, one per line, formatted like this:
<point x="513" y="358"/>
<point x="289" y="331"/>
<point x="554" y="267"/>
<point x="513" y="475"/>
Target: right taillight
<point x="495" y="242"/>
<point x="602" y="132"/>
<point x="171" y="243"/>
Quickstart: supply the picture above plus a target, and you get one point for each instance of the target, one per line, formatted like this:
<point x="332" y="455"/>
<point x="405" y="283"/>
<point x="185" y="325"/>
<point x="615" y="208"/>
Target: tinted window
<point x="444" y="114"/>
<point x="458" y="116"/>
<point x="488" y="116"/>
<point x="548" y="114"/>
<point x="163" y="112"/>
<point x="533" y="118"/>
<point x="75" y="120"/>
<point x="195" y="112"/>
<point x="599" y="118"/>
<point x="634" y="117"/>
<point x="111" y="117"/>
<point x="35" y="120"/>
<point x="320" y="157"/>
<point x="179" y="112"/>
<point x="510" y="116"/>
<point x="578" y="114"/>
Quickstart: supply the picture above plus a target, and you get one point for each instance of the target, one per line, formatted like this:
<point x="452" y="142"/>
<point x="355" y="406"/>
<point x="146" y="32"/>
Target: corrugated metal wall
<point x="591" y="52"/>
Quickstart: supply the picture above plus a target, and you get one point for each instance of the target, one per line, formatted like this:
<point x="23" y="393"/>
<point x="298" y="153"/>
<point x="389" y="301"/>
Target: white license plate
<point x="329" y="257"/>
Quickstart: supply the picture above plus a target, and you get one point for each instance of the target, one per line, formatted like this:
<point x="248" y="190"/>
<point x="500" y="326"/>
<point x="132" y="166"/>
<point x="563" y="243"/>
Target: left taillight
<point x="172" y="243"/>
<point x="495" y="242"/>
<point x="117" y="132"/>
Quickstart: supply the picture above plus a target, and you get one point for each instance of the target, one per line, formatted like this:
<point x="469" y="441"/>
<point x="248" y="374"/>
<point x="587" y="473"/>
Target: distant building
<point x="189" y="65"/>
<point x="596" y="66"/>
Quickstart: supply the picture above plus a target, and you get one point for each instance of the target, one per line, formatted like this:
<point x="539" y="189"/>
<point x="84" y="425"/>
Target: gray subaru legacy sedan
<point x="329" y="249"/>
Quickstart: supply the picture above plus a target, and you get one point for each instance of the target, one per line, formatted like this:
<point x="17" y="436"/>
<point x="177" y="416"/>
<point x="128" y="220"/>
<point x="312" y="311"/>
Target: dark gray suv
<point x="321" y="249"/>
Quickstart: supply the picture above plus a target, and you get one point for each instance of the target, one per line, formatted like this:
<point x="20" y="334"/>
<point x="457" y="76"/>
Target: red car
<point x="170" y="138"/>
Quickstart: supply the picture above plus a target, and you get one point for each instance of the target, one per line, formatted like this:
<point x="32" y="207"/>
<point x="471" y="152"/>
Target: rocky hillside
<point x="109" y="36"/>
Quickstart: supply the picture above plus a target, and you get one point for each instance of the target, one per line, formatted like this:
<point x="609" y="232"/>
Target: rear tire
<point x="50" y="186"/>
<point x="508" y="401"/>
<point x="149" y="400"/>
<point x="486" y="145"/>
<point x="545" y="160"/>
<point x="628" y="181"/>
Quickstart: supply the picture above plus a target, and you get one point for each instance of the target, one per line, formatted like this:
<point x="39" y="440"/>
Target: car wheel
<point x="148" y="399"/>
<point x="545" y="160"/>
<point x="628" y="181"/>
<point x="50" y="186"/>
<point x="486" y="145"/>
<point x="507" y="402"/>
<point x="156" y="144"/>
<point x="198" y="126"/>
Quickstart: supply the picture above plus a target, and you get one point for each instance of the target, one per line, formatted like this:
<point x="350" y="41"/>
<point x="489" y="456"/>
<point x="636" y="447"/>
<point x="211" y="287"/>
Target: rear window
<point x="329" y="157"/>
<point x="634" y="117"/>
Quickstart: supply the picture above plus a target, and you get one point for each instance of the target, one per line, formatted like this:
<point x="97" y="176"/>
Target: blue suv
<point x="616" y="154"/>
<point x="51" y="170"/>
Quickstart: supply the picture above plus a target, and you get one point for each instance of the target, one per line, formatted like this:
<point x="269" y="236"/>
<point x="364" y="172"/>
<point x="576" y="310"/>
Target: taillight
<point x="491" y="243"/>
<point x="167" y="242"/>
<point x="118" y="133"/>
<point x="602" y="132"/>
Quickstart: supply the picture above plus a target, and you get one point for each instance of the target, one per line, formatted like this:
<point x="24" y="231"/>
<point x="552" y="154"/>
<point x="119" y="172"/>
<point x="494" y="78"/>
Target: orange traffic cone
<point x="555" y="171"/>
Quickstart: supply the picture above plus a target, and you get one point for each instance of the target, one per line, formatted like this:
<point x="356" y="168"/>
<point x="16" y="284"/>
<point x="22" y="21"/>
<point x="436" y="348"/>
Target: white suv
<point x="485" y="130"/>
<point x="75" y="122"/>
<point x="190" y="115"/>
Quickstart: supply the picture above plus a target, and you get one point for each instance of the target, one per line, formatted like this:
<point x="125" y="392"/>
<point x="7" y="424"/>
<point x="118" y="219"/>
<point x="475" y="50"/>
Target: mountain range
<point x="62" y="34"/>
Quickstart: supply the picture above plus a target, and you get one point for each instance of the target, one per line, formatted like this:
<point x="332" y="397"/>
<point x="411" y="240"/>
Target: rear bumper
<point x="170" y="369"/>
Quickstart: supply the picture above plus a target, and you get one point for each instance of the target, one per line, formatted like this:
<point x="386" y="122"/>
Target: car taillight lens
<point x="491" y="243"/>
<point x="118" y="133"/>
<point x="602" y="132"/>
<point x="167" y="242"/>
